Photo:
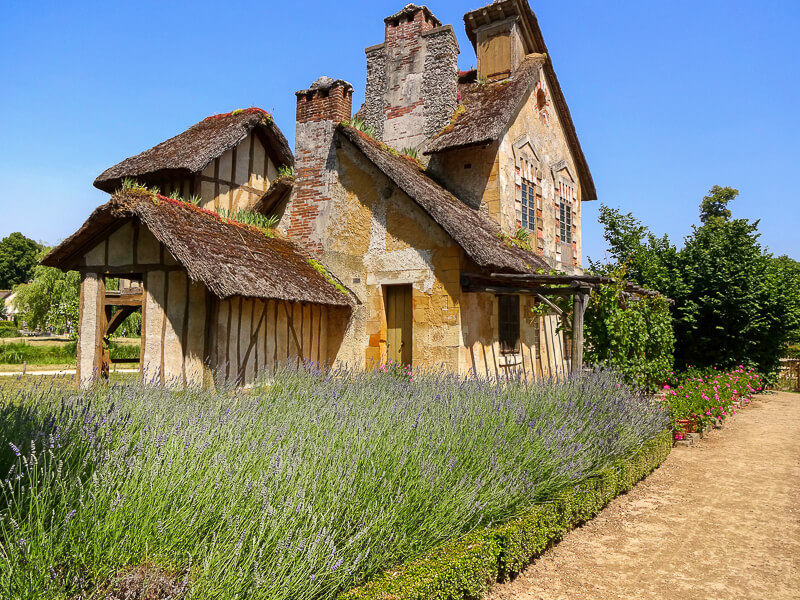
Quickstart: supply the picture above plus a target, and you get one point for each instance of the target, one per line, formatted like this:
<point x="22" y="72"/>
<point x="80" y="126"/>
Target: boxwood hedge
<point x="465" y="568"/>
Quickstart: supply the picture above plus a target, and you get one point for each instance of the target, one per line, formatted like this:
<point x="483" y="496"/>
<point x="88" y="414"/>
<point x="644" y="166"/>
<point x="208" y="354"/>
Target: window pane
<point x="509" y="323"/>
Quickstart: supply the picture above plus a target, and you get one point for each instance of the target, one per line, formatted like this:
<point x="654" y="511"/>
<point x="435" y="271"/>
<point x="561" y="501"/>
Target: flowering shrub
<point x="302" y="489"/>
<point x="397" y="370"/>
<point x="702" y="398"/>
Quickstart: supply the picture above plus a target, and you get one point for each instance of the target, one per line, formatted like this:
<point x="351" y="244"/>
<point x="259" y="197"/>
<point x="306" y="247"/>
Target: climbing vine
<point x="632" y="334"/>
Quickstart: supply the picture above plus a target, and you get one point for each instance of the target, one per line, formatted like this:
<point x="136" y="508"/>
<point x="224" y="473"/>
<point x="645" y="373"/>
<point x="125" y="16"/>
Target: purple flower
<point x="15" y="449"/>
<point x="71" y="514"/>
<point x="337" y="565"/>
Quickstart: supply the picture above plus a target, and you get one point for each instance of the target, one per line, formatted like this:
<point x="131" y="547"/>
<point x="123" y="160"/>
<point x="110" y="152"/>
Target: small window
<point x="528" y="205"/>
<point x="565" y="218"/>
<point x="508" y="323"/>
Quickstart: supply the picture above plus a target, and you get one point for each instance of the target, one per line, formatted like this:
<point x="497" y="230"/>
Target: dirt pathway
<point x="720" y="520"/>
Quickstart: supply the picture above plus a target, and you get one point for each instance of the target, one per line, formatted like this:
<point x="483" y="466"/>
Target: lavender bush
<point x="300" y="489"/>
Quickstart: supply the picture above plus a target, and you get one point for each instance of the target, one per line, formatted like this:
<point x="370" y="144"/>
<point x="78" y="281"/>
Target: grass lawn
<point x="54" y="353"/>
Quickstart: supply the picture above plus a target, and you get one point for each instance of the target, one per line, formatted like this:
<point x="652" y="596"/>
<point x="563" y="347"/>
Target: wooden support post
<point x="579" y="307"/>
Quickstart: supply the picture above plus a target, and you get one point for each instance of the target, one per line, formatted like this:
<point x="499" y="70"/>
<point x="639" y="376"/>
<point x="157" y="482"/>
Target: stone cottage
<point x="424" y="229"/>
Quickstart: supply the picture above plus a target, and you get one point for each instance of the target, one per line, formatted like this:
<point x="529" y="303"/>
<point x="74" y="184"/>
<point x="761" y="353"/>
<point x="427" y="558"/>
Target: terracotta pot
<point x="686" y="426"/>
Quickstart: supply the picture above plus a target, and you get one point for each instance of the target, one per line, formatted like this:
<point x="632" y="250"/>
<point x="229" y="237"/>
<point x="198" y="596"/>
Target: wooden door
<point x="398" y="323"/>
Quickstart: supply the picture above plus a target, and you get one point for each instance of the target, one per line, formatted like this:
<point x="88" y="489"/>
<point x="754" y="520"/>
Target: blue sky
<point x="669" y="98"/>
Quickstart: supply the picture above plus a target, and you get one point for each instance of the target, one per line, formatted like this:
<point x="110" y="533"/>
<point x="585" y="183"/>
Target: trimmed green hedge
<point x="465" y="568"/>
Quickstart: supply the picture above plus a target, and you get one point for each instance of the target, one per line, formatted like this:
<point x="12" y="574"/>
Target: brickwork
<point x="319" y="109"/>
<point x="411" y="88"/>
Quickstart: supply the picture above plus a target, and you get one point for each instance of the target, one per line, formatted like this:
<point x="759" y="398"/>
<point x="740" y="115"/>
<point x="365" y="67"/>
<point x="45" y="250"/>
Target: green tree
<point x="645" y="258"/>
<point x="633" y="334"/>
<point x="733" y="302"/>
<point x="18" y="257"/>
<point x="51" y="299"/>
<point x="715" y="205"/>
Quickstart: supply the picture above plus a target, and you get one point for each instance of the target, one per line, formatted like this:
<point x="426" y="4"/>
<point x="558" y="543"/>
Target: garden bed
<point x="308" y="488"/>
<point x="699" y="401"/>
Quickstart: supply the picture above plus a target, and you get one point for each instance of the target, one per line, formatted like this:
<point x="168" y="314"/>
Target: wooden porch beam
<point x="117" y="318"/>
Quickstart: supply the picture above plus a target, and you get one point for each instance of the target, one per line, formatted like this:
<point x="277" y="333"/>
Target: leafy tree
<point x="18" y="257"/>
<point x="645" y="258"/>
<point x="733" y="302"/>
<point x="51" y="299"/>
<point x="715" y="205"/>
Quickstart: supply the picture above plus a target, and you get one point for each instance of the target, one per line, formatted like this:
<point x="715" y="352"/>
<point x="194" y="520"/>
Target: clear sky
<point x="669" y="98"/>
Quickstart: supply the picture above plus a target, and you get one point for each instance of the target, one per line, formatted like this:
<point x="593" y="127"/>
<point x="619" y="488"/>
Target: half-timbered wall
<point x="188" y="334"/>
<point x="237" y="179"/>
<point x="234" y="181"/>
<point x="174" y="331"/>
<point x="253" y="337"/>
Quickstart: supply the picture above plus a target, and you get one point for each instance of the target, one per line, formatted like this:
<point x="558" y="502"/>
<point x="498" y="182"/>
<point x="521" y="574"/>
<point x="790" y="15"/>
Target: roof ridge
<point x="253" y="110"/>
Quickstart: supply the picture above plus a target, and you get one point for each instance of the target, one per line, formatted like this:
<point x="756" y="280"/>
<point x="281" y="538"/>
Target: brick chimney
<point x="412" y="78"/>
<point x="319" y="109"/>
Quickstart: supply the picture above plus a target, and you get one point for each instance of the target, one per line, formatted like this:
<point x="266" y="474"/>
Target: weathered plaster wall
<point x="471" y="175"/>
<point x="541" y="352"/>
<point x="91" y="325"/>
<point x="381" y="237"/>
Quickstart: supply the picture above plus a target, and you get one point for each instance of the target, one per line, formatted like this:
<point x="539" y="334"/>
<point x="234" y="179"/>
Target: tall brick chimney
<point x="319" y="109"/>
<point x="412" y="90"/>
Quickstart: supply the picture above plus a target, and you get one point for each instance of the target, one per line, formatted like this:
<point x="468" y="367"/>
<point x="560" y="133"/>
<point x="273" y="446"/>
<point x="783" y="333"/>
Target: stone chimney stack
<point x="319" y="109"/>
<point x="412" y="78"/>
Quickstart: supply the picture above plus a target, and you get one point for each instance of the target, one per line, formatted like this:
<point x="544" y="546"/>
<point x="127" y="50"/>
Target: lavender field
<point x="300" y="489"/>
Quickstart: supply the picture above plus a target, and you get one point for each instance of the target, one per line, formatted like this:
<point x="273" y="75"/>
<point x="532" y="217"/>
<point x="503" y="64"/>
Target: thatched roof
<point x="488" y="109"/>
<point x="279" y="189"/>
<point x="190" y="151"/>
<point x="230" y="259"/>
<point x="476" y="234"/>
<point x="468" y="130"/>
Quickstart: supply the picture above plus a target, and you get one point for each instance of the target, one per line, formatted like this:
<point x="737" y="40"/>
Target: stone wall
<point x="411" y="88"/>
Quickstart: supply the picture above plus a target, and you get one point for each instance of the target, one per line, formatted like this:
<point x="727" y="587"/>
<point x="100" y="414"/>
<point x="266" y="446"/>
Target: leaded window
<point x="528" y="205"/>
<point x="565" y="218"/>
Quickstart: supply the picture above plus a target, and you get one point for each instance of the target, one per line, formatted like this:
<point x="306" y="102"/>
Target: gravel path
<point x="720" y="520"/>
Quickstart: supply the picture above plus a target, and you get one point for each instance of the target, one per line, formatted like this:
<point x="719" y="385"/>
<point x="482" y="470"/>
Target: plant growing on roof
<point x="320" y="268"/>
<point x="359" y="124"/>
<point x="252" y="218"/>
<point x="286" y="171"/>
<point x="410" y="152"/>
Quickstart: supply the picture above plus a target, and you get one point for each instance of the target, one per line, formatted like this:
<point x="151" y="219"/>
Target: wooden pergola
<point x="542" y="286"/>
